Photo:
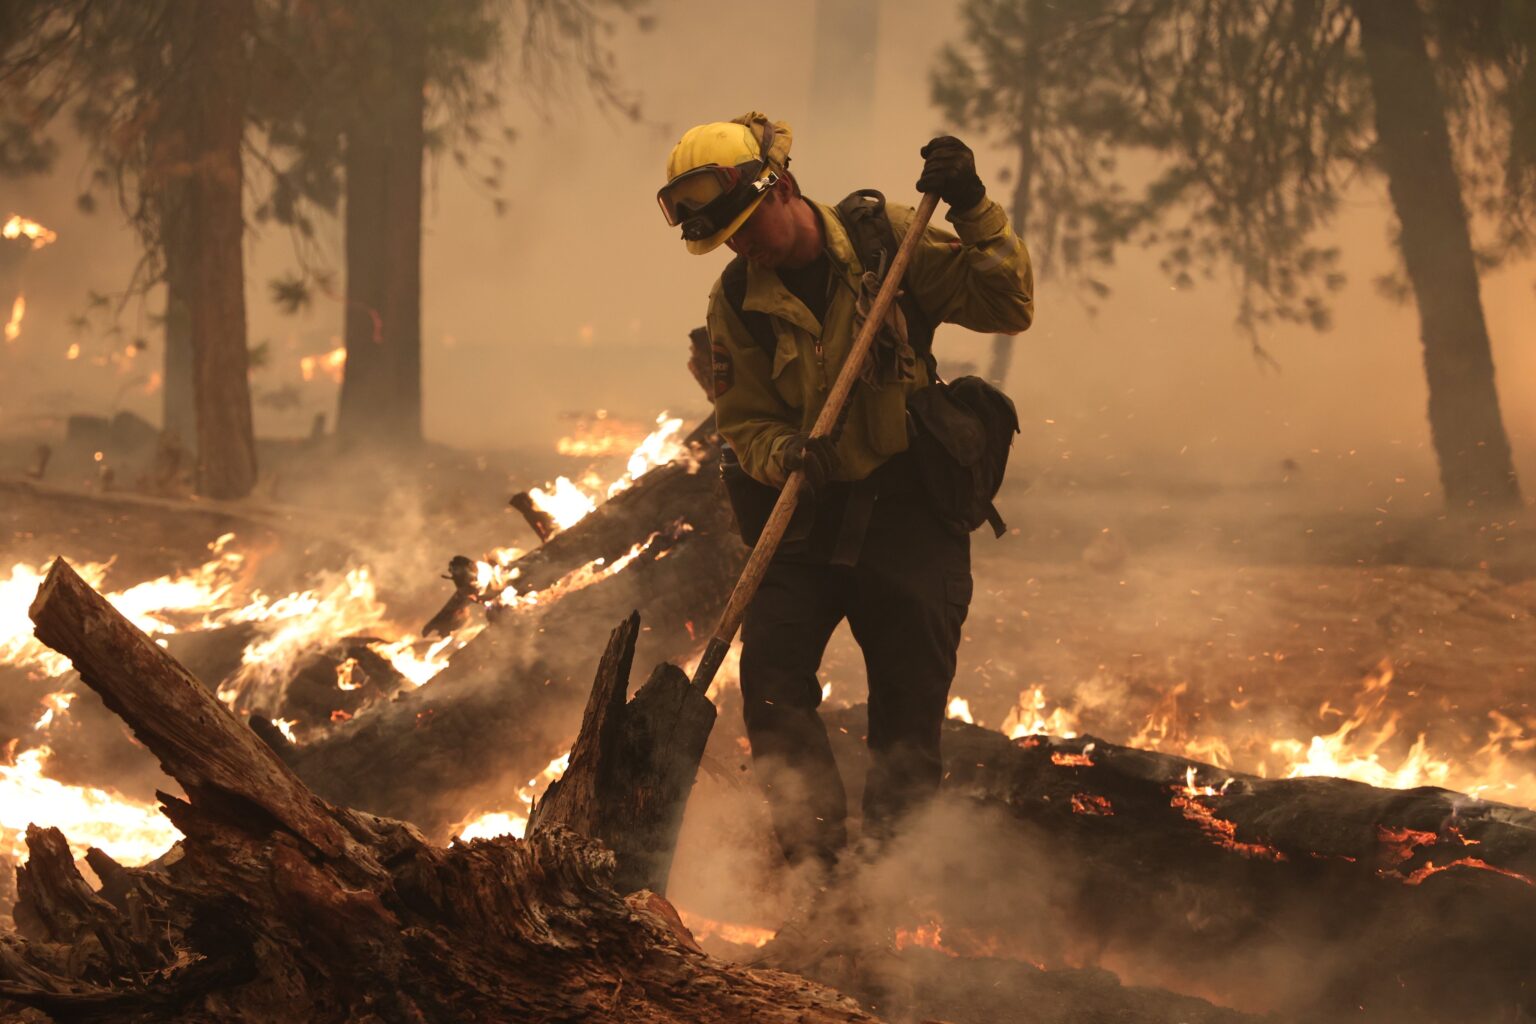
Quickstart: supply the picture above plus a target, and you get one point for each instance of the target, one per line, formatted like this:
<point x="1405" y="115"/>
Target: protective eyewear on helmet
<point x="706" y="199"/>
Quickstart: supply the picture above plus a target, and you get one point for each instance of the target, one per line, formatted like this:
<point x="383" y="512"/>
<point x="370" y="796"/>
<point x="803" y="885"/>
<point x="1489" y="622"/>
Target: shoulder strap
<point x="733" y="284"/>
<point x="874" y="241"/>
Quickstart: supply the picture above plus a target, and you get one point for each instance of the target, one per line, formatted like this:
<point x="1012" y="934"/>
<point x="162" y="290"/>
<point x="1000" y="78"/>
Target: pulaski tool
<point x="826" y="423"/>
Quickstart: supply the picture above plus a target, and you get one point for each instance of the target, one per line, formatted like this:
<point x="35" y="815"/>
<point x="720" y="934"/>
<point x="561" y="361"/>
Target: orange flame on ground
<point x="20" y="227"/>
<point x="567" y="503"/>
<point x="130" y="832"/>
<point x="703" y="928"/>
<point x="490" y="824"/>
<point x="13" y="325"/>
<point x="332" y="364"/>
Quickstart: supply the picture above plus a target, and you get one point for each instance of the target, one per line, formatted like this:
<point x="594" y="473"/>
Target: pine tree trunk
<point x="381" y="390"/>
<point x="1415" y="152"/>
<point x="1029" y="72"/>
<point x="216" y="82"/>
<point x="178" y="404"/>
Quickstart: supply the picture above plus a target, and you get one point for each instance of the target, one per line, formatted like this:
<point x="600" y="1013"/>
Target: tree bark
<point x="216" y="71"/>
<point x="178" y="408"/>
<point x="381" y="390"/>
<point x="1415" y="152"/>
<point x="278" y="906"/>
<point x="1029" y="89"/>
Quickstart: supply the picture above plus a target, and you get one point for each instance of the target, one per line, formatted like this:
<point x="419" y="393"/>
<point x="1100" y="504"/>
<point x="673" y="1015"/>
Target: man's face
<point x="768" y="237"/>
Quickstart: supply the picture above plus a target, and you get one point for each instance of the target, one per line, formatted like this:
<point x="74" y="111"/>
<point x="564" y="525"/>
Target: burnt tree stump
<point x="633" y="765"/>
<point x="280" y="906"/>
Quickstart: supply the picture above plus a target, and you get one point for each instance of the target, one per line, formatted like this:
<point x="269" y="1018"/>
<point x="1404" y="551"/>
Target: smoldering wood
<point x="510" y="701"/>
<point x="1335" y="881"/>
<point x="539" y="521"/>
<point x="279" y="906"/>
<point x="633" y="765"/>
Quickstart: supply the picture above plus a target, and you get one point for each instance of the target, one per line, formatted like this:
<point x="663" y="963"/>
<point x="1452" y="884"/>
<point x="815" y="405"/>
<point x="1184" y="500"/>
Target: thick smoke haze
<point x="579" y="297"/>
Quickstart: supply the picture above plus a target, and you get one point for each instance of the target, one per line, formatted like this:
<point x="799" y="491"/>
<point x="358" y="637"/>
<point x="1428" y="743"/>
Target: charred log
<point x="633" y="765"/>
<point x="511" y="701"/>
<point x="278" y="906"/>
<point x="1390" y="905"/>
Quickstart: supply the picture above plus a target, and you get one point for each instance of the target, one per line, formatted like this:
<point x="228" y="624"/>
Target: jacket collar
<point x="766" y="292"/>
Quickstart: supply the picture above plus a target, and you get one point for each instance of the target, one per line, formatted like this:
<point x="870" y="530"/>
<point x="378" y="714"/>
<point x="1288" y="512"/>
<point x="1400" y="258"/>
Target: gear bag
<point x="959" y="432"/>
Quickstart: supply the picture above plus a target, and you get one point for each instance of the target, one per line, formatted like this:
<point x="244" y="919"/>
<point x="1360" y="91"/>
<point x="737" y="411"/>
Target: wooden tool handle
<point x="784" y="508"/>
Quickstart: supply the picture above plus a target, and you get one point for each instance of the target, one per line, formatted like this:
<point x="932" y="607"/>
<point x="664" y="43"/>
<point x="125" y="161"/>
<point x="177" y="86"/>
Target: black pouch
<point x="752" y="501"/>
<point x="961" y="435"/>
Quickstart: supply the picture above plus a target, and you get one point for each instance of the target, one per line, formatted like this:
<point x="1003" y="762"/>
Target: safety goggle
<point x="705" y="200"/>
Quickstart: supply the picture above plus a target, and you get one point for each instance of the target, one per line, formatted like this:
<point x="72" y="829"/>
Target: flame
<point x="1353" y="750"/>
<point x="927" y="936"/>
<point x="490" y="824"/>
<point x="960" y="708"/>
<point x="568" y="503"/>
<point x="20" y="227"/>
<point x="55" y="704"/>
<point x="600" y="436"/>
<point x="702" y="928"/>
<point x="332" y="364"/>
<point x="1027" y="718"/>
<point x="13" y="326"/>
<point x="130" y="832"/>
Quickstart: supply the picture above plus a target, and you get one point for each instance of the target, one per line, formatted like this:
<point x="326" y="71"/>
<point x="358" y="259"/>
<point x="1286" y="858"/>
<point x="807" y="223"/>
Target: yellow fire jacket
<point x="981" y="280"/>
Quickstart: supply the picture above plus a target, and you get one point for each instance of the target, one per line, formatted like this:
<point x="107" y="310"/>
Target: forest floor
<point x="1230" y="623"/>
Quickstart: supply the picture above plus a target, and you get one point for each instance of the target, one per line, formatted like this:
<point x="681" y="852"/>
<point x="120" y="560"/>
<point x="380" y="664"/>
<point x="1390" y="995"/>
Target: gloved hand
<point x="816" y="455"/>
<point x="949" y="168"/>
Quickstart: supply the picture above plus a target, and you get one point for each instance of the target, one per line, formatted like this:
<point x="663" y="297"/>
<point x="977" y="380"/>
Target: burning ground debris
<point x="1066" y="821"/>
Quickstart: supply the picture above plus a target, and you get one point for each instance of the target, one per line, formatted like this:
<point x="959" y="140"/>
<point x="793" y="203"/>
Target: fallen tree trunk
<point x="633" y="765"/>
<point x="278" y="906"/>
<point x="511" y="700"/>
<point x="1323" y="899"/>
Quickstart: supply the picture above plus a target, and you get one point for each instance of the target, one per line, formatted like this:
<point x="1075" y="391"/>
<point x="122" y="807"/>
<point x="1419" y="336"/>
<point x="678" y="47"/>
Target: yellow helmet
<point x="717" y="175"/>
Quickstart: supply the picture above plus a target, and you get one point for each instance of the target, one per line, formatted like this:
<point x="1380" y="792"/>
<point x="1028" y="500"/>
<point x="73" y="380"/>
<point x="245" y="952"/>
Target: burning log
<point x="1318" y="898"/>
<point x="279" y="906"/>
<point x="510" y="700"/>
<point x="633" y="765"/>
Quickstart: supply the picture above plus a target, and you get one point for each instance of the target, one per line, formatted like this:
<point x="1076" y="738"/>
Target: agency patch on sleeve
<point x="725" y="368"/>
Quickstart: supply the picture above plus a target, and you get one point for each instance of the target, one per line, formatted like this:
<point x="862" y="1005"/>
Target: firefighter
<point x="866" y="545"/>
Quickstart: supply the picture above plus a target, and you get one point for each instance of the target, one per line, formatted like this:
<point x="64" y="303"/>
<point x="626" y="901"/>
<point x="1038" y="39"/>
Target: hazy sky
<point x="581" y="297"/>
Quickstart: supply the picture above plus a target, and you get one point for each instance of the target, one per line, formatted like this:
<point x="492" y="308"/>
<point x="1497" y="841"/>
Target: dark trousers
<point x="905" y="601"/>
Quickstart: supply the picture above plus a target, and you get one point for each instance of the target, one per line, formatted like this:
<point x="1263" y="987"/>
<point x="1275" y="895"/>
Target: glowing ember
<point x="1092" y="804"/>
<point x="130" y="832"/>
<point x="1066" y="760"/>
<point x="1471" y="863"/>
<point x="1186" y="800"/>
<point x="332" y="364"/>
<point x="13" y="325"/>
<point x="19" y="227"/>
<point x="960" y="708"/>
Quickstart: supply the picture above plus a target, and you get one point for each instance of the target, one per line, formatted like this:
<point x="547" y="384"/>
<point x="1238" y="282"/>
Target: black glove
<point x="949" y="168"/>
<point x="816" y="455"/>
